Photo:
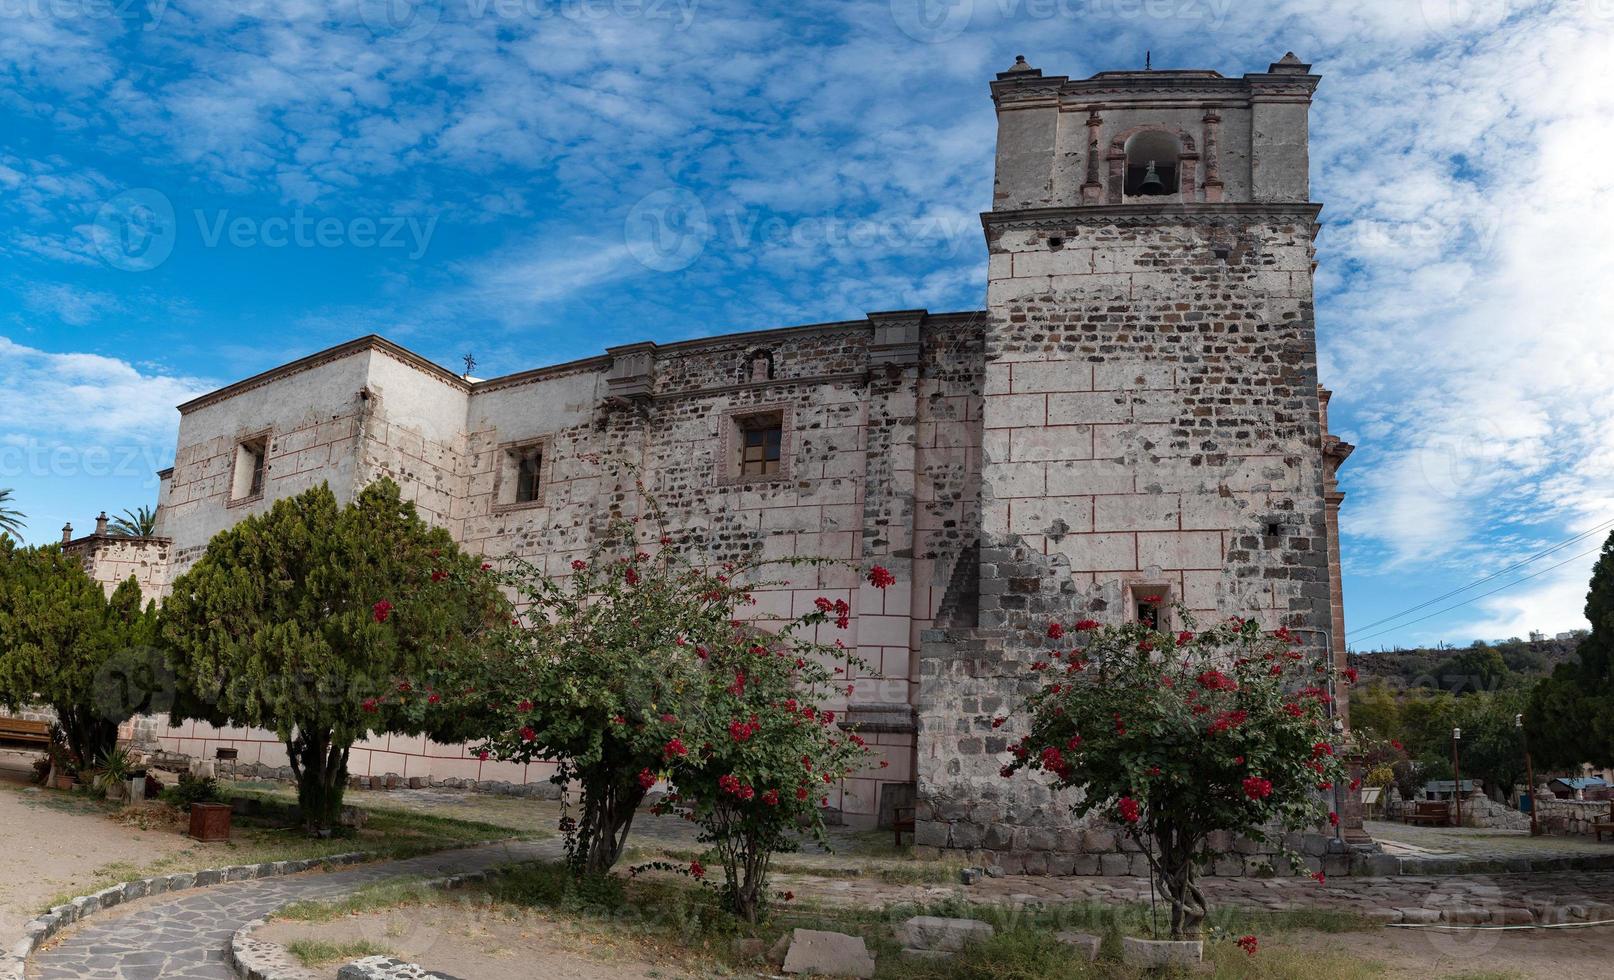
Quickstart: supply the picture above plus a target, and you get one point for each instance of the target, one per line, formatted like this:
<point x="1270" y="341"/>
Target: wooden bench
<point x="25" y="731"/>
<point x="902" y="822"/>
<point x="1435" y="813"/>
<point x="1602" y="827"/>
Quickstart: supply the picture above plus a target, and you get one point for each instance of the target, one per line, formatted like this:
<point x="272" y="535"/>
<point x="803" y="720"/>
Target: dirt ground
<point x="55" y="844"/>
<point x="470" y="941"/>
<point x="1559" y="954"/>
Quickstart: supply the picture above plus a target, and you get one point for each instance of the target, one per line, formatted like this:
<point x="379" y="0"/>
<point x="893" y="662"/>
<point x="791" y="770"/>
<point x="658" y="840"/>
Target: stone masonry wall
<point x="1151" y="425"/>
<point x="883" y="457"/>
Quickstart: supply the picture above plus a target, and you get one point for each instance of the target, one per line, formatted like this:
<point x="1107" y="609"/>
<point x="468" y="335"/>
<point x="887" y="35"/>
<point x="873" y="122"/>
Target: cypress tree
<point x="65" y="644"/>
<point x="327" y="625"/>
<point x="1571" y="716"/>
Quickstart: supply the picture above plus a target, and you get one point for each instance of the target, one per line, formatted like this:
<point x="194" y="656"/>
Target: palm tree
<point x="140" y="523"/>
<point x="11" y="520"/>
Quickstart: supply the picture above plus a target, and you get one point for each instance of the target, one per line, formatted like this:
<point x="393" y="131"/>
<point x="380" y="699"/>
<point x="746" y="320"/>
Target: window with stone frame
<point x="250" y="469"/>
<point x="756" y="445"/>
<point x="520" y="478"/>
<point x="1150" y="605"/>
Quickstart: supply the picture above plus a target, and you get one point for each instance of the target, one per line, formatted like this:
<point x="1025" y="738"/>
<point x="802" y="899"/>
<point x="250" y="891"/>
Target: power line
<point x="1504" y="588"/>
<point x="1491" y="577"/>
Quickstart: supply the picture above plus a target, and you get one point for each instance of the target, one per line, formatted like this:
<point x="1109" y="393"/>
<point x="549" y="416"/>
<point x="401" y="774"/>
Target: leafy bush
<point x="192" y="789"/>
<point x="1178" y="736"/>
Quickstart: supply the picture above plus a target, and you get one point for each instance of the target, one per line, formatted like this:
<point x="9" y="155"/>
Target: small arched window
<point x="1151" y="164"/>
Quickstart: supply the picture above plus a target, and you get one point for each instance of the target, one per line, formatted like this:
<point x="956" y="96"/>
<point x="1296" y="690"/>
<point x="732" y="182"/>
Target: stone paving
<point x="184" y="936"/>
<point x="1400" y="838"/>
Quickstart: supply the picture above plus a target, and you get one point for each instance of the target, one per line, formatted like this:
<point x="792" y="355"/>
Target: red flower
<point x="1318" y="877"/>
<point x="696" y="870"/>
<point x="789" y="896"/>
<point x="438" y="575"/>
<point x="674" y="747"/>
<point x="1120" y="726"/>
<point x="631" y="576"/>
<point x="579" y="564"/>
<point x="1321" y="749"/>
<point x="1350" y="675"/>
<point x="1395" y="745"/>
<point x="433" y="699"/>
<point x="370" y="705"/>
<point x="483" y="755"/>
<point x="487" y="566"/>
<point x="801" y="792"/>
<point x="1356" y="784"/>
<point x="381" y="610"/>
<point x="881" y="578"/>
<point x="998" y="722"/>
<point x="1215" y="680"/>
<point x="771" y="797"/>
<point x="524" y="706"/>
<point x="647" y="778"/>
<point x="1055" y="631"/>
<point x="527" y="733"/>
<point x="1086" y="625"/>
<point x="1184" y="637"/>
<point x="1129" y="808"/>
<point x="1257" y="788"/>
<point x="1248" y="944"/>
<point x="1333" y="818"/>
<point x="1227" y="720"/>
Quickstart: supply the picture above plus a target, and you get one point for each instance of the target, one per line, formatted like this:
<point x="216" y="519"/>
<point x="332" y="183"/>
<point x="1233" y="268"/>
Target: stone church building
<point x="1135" y="413"/>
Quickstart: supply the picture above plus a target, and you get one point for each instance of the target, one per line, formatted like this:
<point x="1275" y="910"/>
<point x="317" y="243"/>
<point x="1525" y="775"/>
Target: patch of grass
<point x="397" y="893"/>
<point x="317" y="952"/>
<point x="897" y="869"/>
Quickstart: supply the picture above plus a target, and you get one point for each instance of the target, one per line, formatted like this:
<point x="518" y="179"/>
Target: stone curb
<point x="257" y="959"/>
<point x="37" y="932"/>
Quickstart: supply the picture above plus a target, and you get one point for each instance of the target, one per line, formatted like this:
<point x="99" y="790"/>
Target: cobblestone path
<point x="184" y="936"/>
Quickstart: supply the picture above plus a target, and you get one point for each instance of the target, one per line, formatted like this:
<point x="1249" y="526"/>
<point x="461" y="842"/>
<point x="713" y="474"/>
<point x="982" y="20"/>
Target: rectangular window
<point x="759" y="447"/>
<point x="519" y="474"/>
<point x="251" y="467"/>
<point x="755" y="445"/>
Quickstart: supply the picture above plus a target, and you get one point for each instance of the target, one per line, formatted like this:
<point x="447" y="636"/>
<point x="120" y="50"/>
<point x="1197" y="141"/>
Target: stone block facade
<point x="1136" y="411"/>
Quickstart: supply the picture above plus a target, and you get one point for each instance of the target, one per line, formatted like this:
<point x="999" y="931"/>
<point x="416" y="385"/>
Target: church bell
<point x="1152" y="184"/>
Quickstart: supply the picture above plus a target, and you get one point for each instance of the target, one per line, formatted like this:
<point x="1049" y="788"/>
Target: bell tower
<point x="1152" y="435"/>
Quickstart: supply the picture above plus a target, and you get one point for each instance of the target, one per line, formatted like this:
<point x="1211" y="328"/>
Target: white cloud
<point x="74" y="393"/>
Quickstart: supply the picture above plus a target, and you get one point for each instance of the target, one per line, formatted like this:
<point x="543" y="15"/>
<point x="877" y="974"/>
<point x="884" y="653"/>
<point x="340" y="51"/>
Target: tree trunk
<point x="88" y="736"/>
<point x="608" y="810"/>
<point x="1176" y="875"/>
<point x="320" y="765"/>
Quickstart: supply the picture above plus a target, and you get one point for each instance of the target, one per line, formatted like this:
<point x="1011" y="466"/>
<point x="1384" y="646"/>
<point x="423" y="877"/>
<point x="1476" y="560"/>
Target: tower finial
<point x="470" y="363"/>
<point x="1148" y="61"/>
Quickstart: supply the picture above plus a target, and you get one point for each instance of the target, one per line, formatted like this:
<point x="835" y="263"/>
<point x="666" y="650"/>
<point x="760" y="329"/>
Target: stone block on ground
<point x="1085" y="944"/>
<point x="936" y="932"/>
<point x="834" y="954"/>
<point x="1162" y="953"/>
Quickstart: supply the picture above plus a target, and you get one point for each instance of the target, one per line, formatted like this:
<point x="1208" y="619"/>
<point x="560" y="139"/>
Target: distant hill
<point x="1464" y="668"/>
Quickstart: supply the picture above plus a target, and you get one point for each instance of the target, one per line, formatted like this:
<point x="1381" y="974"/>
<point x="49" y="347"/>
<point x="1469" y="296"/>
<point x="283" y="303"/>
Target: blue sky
<point x="193" y="191"/>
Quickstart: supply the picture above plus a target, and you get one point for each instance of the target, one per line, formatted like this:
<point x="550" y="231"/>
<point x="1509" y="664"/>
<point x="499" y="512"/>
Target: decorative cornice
<point x="381" y="345"/>
<point x="1149" y="215"/>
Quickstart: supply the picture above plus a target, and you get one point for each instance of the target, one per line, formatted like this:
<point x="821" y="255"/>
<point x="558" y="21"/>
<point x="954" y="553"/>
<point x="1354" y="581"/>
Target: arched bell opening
<point x="1152" y="163"/>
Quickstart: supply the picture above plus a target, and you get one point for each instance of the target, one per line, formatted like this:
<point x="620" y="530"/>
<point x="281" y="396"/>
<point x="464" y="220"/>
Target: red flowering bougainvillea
<point x="639" y="667"/>
<point x="1178" y="736"/>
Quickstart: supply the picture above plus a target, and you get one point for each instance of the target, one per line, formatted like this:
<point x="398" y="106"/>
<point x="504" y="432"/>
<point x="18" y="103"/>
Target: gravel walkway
<point x="184" y="936"/>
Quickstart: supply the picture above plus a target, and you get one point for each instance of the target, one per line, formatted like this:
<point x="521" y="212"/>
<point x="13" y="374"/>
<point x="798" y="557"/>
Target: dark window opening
<point x="529" y="468"/>
<point x="1149" y="614"/>
<point x="251" y="467"/>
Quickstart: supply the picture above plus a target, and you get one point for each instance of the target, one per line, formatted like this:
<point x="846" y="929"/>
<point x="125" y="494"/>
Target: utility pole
<point x="1457" y="771"/>
<point x="1529" y="775"/>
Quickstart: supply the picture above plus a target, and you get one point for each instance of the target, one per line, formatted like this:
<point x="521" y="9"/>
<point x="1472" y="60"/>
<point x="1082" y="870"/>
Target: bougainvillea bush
<point x="753" y="766"/>
<point x="637" y="665"/>
<point x="1176" y="736"/>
